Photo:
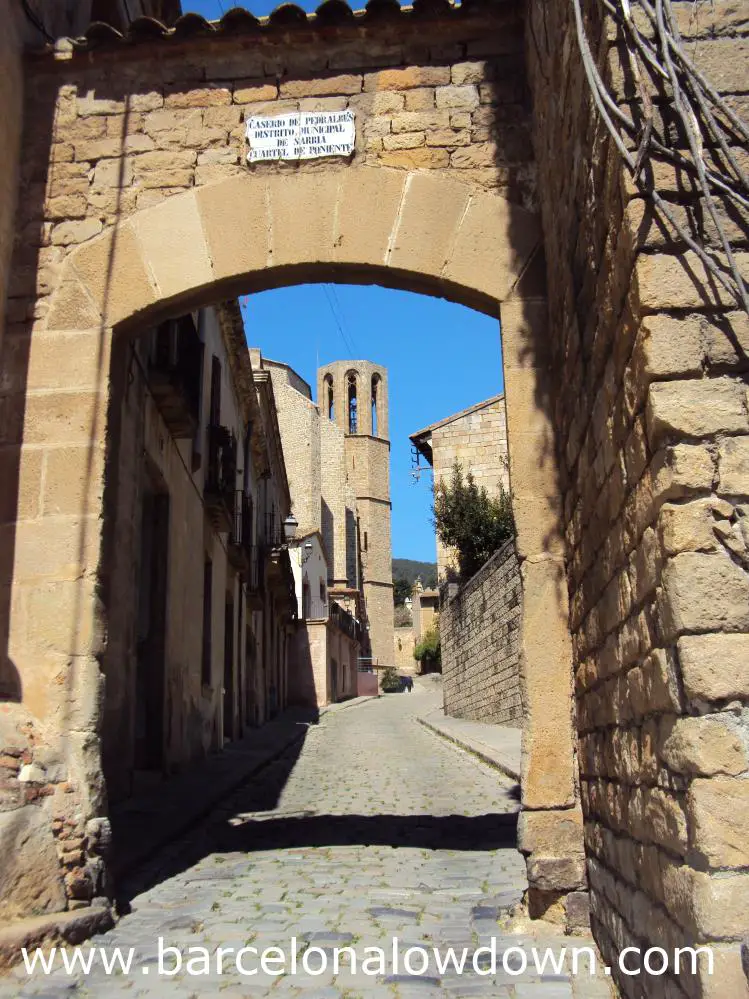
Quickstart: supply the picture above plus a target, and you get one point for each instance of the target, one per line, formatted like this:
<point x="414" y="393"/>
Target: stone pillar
<point x="11" y="100"/>
<point x="550" y="832"/>
<point x="54" y="394"/>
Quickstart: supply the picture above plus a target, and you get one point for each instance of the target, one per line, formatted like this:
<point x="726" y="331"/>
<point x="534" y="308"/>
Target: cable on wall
<point x="34" y="19"/>
<point x="655" y="54"/>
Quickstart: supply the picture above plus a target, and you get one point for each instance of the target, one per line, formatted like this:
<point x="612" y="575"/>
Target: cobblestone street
<point x="376" y="829"/>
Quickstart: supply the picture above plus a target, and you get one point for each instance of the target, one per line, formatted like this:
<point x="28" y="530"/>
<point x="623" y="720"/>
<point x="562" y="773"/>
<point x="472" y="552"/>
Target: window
<point x="375" y="386"/>
<point x="353" y="420"/>
<point x="214" y="417"/>
<point x="329" y="400"/>
<point x="366" y="542"/>
<point x="207" y="621"/>
<point x="323" y="594"/>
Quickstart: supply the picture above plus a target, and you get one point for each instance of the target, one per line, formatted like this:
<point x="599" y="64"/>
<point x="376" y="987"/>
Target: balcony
<point x="240" y="538"/>
<point x="219" y="492"/>
<point x="255" y="577"/>
<point x="281" y="581"/>
<point x="313" y="608"/>
<point x="274" y="535"/>
<point x="345" y="622"/>
<point x="174" y="375"/>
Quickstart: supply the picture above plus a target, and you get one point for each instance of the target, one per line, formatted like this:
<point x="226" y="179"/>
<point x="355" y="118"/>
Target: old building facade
<point x="475" y="438"/>
<point x="328" y="640"/>
<point x="423" y="607"/>
<point x="198" y="580"/>
<point x="484" y="172"/>
<point x="195" y="573"/>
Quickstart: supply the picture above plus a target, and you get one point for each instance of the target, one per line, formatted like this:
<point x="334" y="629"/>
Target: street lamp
<point x="289" y="528"/>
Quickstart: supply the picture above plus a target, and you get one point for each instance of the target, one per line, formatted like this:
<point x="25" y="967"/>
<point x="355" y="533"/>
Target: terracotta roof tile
<point x="285" y="17"/>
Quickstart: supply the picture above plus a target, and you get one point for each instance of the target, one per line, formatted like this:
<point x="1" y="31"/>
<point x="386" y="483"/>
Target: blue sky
<point x="213" y="9"/>
<point x="440" y="357"/>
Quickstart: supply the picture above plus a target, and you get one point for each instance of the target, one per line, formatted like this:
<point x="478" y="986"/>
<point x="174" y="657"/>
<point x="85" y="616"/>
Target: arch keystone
<point x="234" y="214"/>
<point x="174" y="245"/>
<point x="115" y="277"/>
<point x="493" y="245"/>
<point x="429" y="218"/>
<point x="370" y="198"/>
<point x="302" y="216"/>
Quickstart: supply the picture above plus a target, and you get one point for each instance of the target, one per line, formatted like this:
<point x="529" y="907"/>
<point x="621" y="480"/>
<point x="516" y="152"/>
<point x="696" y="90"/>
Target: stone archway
<point x="421" y="232"/>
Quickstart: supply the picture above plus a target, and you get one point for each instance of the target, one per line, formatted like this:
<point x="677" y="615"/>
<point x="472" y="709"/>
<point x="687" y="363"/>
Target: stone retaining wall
<point x="479" y="637"/>
<point x="653" y="444"/>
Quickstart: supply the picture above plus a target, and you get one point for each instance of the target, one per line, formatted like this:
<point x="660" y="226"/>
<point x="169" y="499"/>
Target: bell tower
<point x="354" y="396"/>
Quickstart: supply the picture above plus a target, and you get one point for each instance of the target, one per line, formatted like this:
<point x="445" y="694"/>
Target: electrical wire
<point x="657" y="61"/>
<point x="33" y="18"/>
<point x="339" y="309"/>
<point x="346" y="341"/>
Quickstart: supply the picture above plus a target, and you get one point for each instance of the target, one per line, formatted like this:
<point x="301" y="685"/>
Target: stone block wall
<point x="11" y="99"/>
<point x="403" y="649"/>
<point x="653" y="441"/>
<point x="299" y="423"/>
<point x="478" y="440"/>
<point x="479" y="637"/>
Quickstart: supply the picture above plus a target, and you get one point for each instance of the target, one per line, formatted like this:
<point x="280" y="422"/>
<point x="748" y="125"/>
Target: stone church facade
<point x="483" y="172"/>
<point x="338" y="456"/>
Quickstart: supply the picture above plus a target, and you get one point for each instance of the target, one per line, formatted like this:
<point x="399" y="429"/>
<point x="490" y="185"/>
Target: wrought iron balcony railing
<point x="314" y="609"/>
<point x="175" y="367"/>
<point x="221" y="477"/>
<point x="346" y="622"/>
<point x="274" y="534"/>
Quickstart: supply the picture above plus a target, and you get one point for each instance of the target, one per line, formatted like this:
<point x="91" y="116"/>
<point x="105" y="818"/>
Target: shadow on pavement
<point x="239" y="826"/>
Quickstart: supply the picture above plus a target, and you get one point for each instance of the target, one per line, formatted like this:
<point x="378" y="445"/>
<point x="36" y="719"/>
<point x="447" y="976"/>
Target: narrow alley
<point x="376" y="828"/>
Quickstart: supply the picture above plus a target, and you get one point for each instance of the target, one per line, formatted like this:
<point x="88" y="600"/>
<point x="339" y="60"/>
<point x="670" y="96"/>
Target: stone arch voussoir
<point x="431" y="232"/>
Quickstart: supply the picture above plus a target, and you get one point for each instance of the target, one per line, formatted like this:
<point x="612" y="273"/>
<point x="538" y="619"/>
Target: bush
<point x="390" y="680"/>
<point x="470" y="521"/>
<point x="428" y="651"/>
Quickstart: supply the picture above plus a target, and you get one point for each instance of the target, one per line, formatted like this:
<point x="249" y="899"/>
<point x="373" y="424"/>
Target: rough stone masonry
<point x="626" y="395"/>
<point x="479" y="638"/>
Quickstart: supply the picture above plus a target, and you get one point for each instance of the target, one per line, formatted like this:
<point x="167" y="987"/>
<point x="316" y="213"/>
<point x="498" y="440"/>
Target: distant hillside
<point x="408" y="569"/>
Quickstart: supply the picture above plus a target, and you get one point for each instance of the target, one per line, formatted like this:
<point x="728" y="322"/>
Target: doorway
<point x="228" y="669"/>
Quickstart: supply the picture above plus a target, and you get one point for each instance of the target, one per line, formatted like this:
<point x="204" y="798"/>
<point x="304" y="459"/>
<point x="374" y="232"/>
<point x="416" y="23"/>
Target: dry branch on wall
<point x="657" y="62"/>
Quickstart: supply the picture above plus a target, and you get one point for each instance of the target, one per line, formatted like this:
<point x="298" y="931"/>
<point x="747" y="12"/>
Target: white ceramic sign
<point x="301" y="135"/>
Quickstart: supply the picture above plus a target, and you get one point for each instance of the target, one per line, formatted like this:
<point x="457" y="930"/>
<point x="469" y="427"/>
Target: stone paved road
<point x="377" y="829"/>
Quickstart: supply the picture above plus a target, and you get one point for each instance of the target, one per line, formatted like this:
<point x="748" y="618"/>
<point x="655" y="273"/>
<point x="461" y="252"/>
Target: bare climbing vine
<point x="657" y="61"/>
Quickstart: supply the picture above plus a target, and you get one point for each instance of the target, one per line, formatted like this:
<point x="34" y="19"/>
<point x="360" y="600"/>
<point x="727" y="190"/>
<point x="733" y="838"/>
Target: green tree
<point x="401" y="590"/>
<point x="427" y="651"/>
<point x="470" y="521"/>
